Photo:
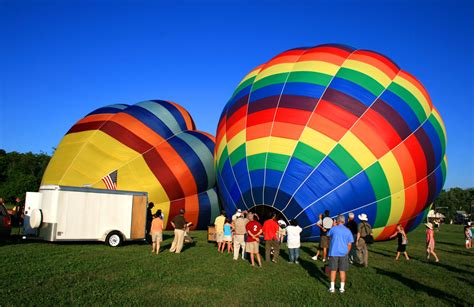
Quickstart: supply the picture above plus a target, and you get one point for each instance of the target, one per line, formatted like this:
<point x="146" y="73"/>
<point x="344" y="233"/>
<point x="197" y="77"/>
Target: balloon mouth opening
<point x="265" y="212"/>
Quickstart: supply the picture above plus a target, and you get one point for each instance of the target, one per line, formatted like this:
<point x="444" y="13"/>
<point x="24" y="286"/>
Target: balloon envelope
<point x="331" y="128"/>
<point x="151" y="146"/>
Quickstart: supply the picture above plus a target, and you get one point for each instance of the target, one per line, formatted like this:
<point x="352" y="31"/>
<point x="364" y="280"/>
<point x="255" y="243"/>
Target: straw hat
<point x="363" y="217"/>
<point x="429" y="225"/>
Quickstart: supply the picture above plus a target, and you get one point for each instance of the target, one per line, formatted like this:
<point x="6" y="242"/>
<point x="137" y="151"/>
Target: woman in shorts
<point x="156" y="232"/>
<point x="228" y="236"/>
<point x="402" y="241"/>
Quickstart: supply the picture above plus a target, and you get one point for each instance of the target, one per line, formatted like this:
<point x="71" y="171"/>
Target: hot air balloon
<point x="331" y="128"/>
<point x="151" y="146"/>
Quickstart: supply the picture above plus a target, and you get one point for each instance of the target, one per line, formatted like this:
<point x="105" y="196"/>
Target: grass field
<point x="42" y="273"/>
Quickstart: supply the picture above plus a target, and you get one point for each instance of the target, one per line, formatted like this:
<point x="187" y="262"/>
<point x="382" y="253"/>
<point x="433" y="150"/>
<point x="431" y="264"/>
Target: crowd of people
<point x="341" y="244"/>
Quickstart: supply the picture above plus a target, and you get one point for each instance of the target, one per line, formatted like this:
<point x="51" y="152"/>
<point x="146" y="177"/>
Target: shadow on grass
<point x="413" y="284"/>
<point x="448" y="243"/>
<point x="314" y="271"/>
<point x="457" y="252"/>
<point x="310" y="251"/>
<point x="391" y="255"/>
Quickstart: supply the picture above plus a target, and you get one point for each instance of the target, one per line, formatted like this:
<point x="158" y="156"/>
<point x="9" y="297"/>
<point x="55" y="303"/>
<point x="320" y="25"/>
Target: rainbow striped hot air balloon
<point x="331" y="127"/>
<point x="150" y="146"/>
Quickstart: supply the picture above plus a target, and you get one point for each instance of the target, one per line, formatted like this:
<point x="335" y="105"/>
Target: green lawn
<point x="42" y="273"/>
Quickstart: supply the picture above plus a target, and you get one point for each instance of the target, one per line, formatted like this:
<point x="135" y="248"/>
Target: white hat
<point x="363" y="217"/>
<point x="238" y="210"/>
<point x="281" y="222"/>
<point x="429" y="225"/>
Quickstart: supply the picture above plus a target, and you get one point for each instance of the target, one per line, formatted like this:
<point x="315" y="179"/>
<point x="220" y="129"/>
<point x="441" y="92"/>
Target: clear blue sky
<point x="59" y="60"/>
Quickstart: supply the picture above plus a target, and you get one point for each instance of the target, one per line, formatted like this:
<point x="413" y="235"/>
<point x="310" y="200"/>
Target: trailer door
<point x="138" y="217"/>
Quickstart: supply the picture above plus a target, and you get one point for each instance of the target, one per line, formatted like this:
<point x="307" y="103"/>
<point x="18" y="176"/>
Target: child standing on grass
<point x="402" y="241"/>
<point x="227" y="236"/>
<point x="293" y="241"/>
<point x="156" y="232"/>
<point x="430" y="242"/>
<point x="468" y="235"/>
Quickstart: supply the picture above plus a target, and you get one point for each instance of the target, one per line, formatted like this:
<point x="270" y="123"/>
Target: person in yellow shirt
<point x="219" y="224"/>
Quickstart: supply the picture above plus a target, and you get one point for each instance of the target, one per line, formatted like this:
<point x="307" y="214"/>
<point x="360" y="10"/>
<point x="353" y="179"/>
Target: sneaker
<point x="324" y="260"/>
<point x="341" y="290"/>
<point x="314" y="257"/>
<point x="332" y="290"/>
<point x="297" y="262"/>
<point x="290" y="262"/>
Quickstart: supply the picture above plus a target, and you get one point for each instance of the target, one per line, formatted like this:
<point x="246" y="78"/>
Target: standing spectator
<point x="402" y="241"/>
<point x="341" y="244"/>
<point x="240" y="231"/>
<point x="281" y="230"/>
<point x="319" y="248"/>
<point x="324" y="239"/>
<point x="364" y="230"/>
<point x="156" y="232"/>
<point x="236" y="214"/>
<point x="254" y="230"/>
<point x="227" y="236"/>
<point x="272" y="240"/>
<point x="179" y="224"/>
<point x="468" y="235"/>
<point x="293" y="241"/>
<point x="149" y="219"/>
<point x="430" y="242"/>
<point x="219" y="224"/>
<point x="352" y="225"/>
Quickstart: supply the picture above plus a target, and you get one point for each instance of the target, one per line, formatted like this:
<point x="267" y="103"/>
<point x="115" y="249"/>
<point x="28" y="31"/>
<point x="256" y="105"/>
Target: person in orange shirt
<point x="157" y="231"/>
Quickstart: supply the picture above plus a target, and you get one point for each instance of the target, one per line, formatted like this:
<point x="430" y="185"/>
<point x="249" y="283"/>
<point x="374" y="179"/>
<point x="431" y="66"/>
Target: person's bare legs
<point x="333" y="276"/>
<point x="325" y="253"/>
<point x="406" y="256"/>
<point x="398" y="255"/>
<point x="342" y="275"/>
<point x="434" y="254"/>
<point x="259" y="259"/>
<point x="251" y="259"/>
<point x="153" y="248"/>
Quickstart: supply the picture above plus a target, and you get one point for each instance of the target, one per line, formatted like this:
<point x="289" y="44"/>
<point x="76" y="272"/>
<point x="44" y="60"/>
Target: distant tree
<point x="455" y="199"/>
<point x="20" y="172"/>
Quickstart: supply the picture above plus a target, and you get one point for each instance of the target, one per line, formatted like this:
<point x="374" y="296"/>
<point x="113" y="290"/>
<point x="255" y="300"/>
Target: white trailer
<point x="60" y="213"/>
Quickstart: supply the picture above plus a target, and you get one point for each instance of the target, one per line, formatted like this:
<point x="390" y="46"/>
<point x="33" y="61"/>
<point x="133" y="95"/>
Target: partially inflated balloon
<point x="331" y="128"/>
<point x="151" y="146"/>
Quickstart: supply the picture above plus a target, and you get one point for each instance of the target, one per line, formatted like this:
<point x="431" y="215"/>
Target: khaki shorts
<point x="157" y="236"/>
<point x="251" y="247"/>
<point x="324" y="242"/>
<point x="219" y="237"/>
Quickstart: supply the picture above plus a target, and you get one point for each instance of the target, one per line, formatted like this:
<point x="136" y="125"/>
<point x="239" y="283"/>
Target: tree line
<point x="22" y="172"/>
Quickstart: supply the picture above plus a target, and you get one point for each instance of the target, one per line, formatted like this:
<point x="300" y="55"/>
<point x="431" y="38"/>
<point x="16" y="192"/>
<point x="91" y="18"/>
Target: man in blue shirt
<point x="341" y="243"/>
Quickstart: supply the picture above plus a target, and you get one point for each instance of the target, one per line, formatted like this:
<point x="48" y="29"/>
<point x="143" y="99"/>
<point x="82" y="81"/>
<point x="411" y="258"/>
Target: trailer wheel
<point x="114" y="239"/>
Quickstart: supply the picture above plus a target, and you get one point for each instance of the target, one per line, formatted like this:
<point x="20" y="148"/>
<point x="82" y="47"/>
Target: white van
<point x="61" y="213"/>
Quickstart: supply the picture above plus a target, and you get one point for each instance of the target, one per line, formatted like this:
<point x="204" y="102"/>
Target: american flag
<point x="111" y="180"/>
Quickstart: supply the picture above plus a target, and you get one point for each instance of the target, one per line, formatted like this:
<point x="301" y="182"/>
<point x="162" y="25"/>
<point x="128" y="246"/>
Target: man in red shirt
<point x="270" y="234"/>
<point x="254" y="230"/>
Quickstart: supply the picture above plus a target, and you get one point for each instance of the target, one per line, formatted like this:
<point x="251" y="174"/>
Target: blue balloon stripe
<point x="192" y="160"/>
